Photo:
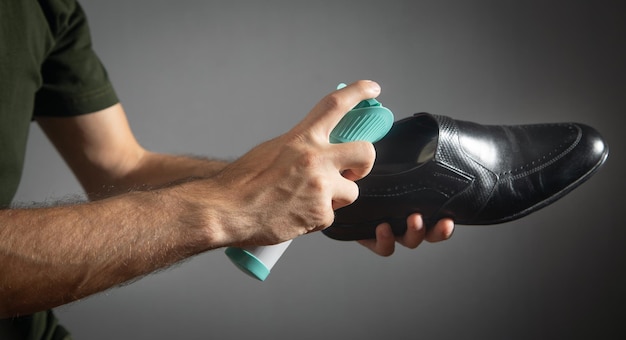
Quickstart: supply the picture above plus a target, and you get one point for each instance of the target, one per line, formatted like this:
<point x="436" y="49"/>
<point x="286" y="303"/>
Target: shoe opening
<point x="409" y="144"/>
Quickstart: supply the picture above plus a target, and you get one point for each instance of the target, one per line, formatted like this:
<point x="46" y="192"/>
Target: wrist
<point x="201" y="210"/>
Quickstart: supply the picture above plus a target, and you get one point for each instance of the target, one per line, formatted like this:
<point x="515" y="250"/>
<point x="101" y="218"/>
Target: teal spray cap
<point x="368" y="121"/>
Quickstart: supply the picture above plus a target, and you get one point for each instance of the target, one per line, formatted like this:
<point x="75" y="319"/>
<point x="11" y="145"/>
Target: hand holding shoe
<point x="416" y="233"/>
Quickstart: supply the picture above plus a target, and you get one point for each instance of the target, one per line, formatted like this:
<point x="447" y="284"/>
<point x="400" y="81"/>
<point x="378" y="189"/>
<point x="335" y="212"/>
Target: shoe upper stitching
<point x="400" y="190"/>
<point x="541" y="166"/>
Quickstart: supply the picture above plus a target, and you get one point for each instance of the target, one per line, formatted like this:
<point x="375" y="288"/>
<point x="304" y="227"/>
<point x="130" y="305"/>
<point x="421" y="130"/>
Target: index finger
<point x="325" y="115"/>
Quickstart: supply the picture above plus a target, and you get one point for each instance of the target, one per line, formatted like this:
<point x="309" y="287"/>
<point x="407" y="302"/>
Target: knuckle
<point x="321" y="217"/>
<point x="353" y="194"/>
<point x="368" y="151"/>
<point x="333" y="101"/>
<point x="296" y="140"/>
<point x="310" y="159"/>
<point x="327" y="219"/>
<point x="317" y="184"/>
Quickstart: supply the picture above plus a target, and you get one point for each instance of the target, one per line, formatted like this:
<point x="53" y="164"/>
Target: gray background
<point x="216" y="78"/>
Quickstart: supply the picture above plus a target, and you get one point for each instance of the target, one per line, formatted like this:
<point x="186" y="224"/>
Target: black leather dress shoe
<point x="472" y="173"/>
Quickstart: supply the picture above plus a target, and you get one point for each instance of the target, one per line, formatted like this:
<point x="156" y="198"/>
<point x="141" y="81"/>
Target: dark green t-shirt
<point x="47" y="67"/>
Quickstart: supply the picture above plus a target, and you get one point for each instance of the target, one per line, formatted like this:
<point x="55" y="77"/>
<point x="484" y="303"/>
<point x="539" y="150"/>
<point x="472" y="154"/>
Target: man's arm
<point x="103" y="153"/>
<point x="51" y="256"/>
<point x="281" y="189"/>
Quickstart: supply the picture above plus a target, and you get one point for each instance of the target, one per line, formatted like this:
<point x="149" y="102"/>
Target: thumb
<point x="325" y="115"/>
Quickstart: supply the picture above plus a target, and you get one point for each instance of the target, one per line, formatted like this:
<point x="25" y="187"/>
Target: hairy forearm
<point x="139" y="221"/>
<point x="51" y="256"/>
<point x="153" y="170"/>
<point x="107" y="159"/>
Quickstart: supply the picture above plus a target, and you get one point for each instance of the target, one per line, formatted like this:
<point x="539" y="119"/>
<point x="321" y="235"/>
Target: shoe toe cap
<point x="519" y="194"/>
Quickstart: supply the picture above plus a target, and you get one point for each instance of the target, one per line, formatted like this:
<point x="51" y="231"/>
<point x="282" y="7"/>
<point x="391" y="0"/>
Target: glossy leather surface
<point x="478" y="174"/>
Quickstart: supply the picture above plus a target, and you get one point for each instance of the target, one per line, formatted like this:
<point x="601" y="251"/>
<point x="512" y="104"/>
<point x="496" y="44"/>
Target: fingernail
<point x="419" y="223"/>
<point x="373" y="87"/>
<point x="449" y="233"/>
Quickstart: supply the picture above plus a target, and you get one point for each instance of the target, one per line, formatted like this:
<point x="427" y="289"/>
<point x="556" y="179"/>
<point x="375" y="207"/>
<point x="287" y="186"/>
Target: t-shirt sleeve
<point x="74" y="81"/>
